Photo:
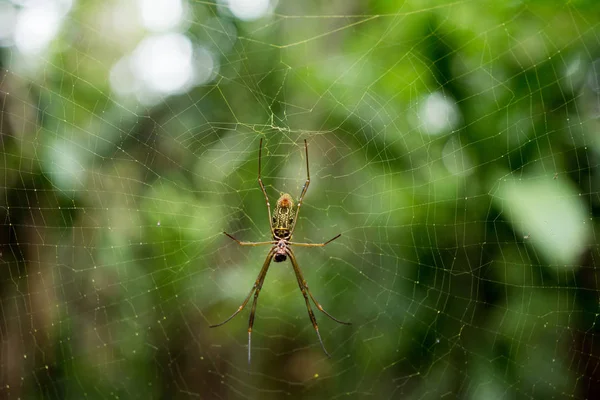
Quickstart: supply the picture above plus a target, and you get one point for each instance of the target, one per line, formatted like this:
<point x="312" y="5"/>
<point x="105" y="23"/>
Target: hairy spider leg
<point x="304" y="189"/>
<point x="262" y="187"/>
<point x="311" y="314"/>
<point x="303" y="283"/>
<point x="304" y="286"/>
<point x="256" y="290"/>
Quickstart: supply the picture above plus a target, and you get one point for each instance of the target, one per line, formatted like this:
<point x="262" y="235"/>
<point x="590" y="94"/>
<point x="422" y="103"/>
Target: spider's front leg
<point x="256" y="290"/>
<point x="306" y="293"/>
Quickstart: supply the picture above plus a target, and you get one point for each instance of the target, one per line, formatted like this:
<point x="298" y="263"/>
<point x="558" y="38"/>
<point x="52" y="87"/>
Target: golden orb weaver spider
<point x="282" y="224"/>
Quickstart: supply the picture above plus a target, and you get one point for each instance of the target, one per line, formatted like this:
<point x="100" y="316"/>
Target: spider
<point x="282" y="224"/>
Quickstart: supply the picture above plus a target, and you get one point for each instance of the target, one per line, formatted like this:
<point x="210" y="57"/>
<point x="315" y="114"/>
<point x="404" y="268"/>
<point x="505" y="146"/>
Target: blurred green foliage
<point x="453" y="144"/>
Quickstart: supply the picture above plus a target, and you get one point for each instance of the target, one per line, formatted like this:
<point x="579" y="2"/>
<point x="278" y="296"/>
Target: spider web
<point x="454" y="146"/>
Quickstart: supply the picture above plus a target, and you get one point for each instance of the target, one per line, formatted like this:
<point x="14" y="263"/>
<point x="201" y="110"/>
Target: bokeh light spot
<point x="438" y="114"/>
<point x="164" y="62"/>
<point x="248" y="10"/>
<point x="161" y="15"/>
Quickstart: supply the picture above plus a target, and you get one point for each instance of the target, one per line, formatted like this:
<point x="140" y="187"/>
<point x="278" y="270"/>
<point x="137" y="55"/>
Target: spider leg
<point x="311" y="314"/>
<point x="259" y="280"/>
<point x="315" y="244"/>
<point x="262" y="187"/>
<point x="255" y="301"/>
<point x="303" y="281"/>
<point x="249" y="243"/>
<point x="304" y="189"/>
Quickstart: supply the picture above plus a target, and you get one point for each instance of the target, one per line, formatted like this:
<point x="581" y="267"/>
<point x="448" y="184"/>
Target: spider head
<point x="279" y="257"/>
<point x="280" y="251"/>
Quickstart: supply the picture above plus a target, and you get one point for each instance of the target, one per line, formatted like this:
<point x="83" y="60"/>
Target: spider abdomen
<point x="283" y="217"/>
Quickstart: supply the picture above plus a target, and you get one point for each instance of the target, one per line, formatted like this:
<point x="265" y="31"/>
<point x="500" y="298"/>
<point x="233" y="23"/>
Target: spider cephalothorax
<point x="282" y="224"/>
<point x="281" y="251"/>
